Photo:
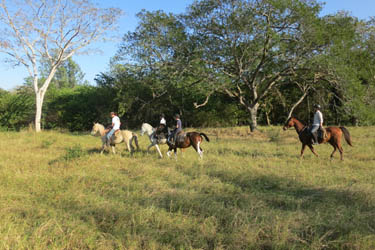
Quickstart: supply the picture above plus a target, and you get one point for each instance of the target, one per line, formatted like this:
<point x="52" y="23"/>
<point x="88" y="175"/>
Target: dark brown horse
<point x="185" y="140"/>
<point x="333" y="136"/>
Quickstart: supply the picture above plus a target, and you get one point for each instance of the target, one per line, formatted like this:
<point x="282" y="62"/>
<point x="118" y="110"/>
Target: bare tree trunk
<point x="253" y="116"/>
<point x="38" y="109"/>
<point x="298" y="102"/>
<point x="268" y="118"/>
<point x="39" y="97"/>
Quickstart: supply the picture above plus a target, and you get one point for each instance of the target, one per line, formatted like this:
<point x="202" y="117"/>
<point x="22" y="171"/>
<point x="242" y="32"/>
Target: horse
<point x="150" y="131"/>
<point x="185" y="140"/>
<point x="118" y="137"/>
<point x="333" y="136"/>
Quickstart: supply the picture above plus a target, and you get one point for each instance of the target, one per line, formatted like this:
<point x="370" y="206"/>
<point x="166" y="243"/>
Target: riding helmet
<point x="317" y="106"/>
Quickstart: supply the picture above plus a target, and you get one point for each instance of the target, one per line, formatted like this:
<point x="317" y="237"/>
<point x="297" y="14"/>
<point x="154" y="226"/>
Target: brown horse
<point x="185" y="140"/>
<point x="333" y="136"/>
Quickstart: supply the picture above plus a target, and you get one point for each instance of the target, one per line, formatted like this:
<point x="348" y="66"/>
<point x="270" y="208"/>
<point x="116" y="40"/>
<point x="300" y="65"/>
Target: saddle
<point x="116" y="137"/>
<point x="180" y="138"/>
<point x="321" y="133"/>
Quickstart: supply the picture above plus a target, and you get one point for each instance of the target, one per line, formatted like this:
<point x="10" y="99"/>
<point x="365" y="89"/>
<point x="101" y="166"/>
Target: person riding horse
<point x="161" y="130"/>
<point x="114" y="127"/>
<point x="317" y="123"/>
<point x="172" y="137"/>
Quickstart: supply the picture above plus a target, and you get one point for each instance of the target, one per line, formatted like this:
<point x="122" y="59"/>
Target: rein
<point x="303" y="129"/>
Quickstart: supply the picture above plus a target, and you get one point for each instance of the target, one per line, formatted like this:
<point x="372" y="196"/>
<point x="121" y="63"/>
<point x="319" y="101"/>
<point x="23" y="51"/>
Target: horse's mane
<point x="98" y="124"/>
<point x="301" y="121"/>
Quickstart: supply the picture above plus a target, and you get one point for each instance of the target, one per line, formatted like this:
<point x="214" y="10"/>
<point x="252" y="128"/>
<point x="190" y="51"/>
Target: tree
<point x="163" y="60"/>
<point x="54" y="30"/>
<point x="254" y="46"/>
<point x="68" y="75"/>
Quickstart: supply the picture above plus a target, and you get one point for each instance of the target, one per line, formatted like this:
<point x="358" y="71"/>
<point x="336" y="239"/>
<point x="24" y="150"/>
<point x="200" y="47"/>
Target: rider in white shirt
<point x="317" y="123"/>
<point x="162" y="120"/>
<point x="162" y="126"/>
<point x="115" y="126"/>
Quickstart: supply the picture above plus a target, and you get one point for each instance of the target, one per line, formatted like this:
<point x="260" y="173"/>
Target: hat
<point x="177" y="116"/>
<point x="317" y="106"/>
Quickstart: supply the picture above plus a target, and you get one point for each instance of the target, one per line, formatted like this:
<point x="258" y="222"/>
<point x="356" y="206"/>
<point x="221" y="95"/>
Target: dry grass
<point x="251" y="191"/>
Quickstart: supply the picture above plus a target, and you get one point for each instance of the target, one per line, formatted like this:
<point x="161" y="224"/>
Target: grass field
<point x="251" y="191"/>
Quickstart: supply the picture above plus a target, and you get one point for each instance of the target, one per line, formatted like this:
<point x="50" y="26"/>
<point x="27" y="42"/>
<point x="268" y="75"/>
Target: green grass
<point x="251" y="191"/>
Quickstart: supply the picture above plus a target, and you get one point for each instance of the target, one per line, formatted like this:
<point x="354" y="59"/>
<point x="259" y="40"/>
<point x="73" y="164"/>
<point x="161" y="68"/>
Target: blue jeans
<point x="173" y="135"/>
<point x="110" y="133"/>
<point x="314" y="128"/>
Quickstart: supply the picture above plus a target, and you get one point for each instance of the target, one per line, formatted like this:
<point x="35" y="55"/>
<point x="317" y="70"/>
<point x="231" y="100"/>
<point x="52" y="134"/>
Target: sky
<point x="94" y="64"/>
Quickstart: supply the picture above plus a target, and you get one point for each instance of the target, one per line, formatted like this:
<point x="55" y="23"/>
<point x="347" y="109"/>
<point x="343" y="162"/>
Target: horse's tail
<point x="346" y="135"/>
<point x="135" y="136"/>
<point x="205" y="136"/>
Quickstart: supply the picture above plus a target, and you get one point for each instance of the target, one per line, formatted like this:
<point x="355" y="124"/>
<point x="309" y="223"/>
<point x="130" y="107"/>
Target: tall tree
<point x="56" y="30"/>
<point x="163" y="59"/>
<point x="255" y="45"/>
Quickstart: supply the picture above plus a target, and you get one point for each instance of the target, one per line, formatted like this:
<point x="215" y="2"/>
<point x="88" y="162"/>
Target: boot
<point x="171" y="141"/>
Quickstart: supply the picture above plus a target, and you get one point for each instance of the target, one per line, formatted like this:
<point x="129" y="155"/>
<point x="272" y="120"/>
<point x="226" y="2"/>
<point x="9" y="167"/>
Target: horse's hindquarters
<point x="162" y="141"/>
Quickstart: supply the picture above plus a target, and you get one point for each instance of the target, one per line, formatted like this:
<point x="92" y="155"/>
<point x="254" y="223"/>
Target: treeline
<point x="226" y="63"/>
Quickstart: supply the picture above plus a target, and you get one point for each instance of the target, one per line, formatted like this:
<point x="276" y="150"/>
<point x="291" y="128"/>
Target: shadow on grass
<point x="331" y="217"/>
<point x="249" y="203"/>
<point x="242" y="153"/>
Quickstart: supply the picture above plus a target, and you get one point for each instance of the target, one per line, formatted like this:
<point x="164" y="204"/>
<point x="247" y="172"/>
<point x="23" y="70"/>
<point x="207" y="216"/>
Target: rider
<point x="317" y="123"/>
<point x="176" y="130"/>
<point x="115" y="126"/>
<point x="162" y="120"/>
<point x="162" y="125"/>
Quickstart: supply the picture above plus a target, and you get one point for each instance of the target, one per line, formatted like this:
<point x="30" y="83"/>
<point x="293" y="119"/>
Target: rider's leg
<point x="171" y="138"/>
<point x="314" y="134"/>
<point x="109" y="135"/>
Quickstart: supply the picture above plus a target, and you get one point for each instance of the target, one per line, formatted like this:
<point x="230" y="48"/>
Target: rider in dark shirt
<point x="176" y="130"/>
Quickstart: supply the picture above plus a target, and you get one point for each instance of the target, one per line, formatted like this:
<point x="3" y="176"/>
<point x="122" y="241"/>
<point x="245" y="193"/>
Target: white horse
<point x="118" y="137"/>
<point x="147" y="128"/>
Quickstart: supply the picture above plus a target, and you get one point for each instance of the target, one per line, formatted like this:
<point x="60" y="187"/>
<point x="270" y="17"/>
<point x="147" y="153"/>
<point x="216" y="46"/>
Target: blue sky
<point x="93" y="64"/>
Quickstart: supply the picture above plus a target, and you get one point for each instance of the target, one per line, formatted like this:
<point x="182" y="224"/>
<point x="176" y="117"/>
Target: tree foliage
<point x="55" y="30"/>
<point x="225" y="63"/>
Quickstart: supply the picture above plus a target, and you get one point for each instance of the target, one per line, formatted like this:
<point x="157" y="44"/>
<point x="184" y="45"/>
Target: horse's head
<point x="289" y="123"/>
<point x="95" y="129"/>
<point x="146" y="128"/>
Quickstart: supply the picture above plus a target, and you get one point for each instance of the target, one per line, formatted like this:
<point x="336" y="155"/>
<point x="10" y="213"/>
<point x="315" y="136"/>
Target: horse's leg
<point x="339" y="147"/>
<point x="102" y="149"/>
<point x="334" y="150"/>
<point x="169" y="152"/>
<point x="158" y="149"/>
<point x="198" y="149"/>
<point x="302" y="149"/>
<point x="131" y="145"/>
<point x="149" y="146"/>
<point x="104" y="144"/>
<point x="313" y="150"/>
<point x="136" y="142"/>
<point x="341" y="153"/>
<point x="175" y="153"/>
<point x="128" y="146"/>
<point x="113" y="149"/>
